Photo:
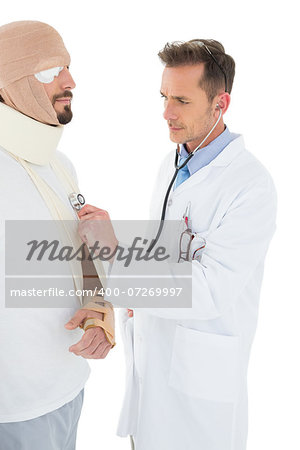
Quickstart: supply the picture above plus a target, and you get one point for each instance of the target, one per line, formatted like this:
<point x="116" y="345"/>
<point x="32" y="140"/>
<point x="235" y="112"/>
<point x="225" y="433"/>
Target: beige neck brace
<point x="27" y="138"/>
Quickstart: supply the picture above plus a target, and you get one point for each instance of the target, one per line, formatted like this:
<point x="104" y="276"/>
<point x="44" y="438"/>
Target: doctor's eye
<point x="183" y="102"/>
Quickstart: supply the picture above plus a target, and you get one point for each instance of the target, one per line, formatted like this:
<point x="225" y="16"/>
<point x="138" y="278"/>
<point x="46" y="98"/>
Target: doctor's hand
<point x="93" y="344"/>
<point x="95" y="229"/>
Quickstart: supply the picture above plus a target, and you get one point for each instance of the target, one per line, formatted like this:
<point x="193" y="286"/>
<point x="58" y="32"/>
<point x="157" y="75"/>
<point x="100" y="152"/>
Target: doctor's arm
<point x="233" y="252"/>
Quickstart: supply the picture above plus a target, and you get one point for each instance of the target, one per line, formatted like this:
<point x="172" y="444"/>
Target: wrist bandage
<point x="108" y="322"/>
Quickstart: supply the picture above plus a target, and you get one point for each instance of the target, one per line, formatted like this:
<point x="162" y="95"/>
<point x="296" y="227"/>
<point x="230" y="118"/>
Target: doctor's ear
<point x="223" y="102"/>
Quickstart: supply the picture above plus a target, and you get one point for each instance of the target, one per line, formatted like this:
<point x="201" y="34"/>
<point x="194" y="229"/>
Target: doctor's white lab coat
<point x="187" y="368"/>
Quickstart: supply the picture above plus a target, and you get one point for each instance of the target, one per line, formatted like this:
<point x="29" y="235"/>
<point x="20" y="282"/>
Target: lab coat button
<point x="170" y="202"/>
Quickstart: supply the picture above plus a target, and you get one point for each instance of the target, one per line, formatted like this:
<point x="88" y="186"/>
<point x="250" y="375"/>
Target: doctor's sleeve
<point x="233" y="251"/>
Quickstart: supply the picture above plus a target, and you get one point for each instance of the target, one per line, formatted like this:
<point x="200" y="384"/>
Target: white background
<point x="118" y="138"/>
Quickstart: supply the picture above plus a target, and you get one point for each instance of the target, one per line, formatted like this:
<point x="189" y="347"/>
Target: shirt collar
<point x="208" y="153"/>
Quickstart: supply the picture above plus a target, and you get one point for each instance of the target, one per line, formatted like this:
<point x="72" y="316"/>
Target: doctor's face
<point x="189" y="114"/>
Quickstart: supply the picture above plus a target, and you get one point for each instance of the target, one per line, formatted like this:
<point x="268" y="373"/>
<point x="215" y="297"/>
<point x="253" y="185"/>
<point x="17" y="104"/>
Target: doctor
<point x="187" y="375"/>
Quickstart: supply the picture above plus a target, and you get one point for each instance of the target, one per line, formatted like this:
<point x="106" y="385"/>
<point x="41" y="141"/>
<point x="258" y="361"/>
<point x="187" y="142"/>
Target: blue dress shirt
<point x="204" y="155"/>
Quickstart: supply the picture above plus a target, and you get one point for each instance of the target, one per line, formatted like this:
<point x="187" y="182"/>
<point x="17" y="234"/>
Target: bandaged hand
<point x="93" y="344"/>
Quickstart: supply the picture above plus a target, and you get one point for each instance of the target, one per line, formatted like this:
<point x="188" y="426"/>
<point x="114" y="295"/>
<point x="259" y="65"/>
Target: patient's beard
<point x="66" y="116"/>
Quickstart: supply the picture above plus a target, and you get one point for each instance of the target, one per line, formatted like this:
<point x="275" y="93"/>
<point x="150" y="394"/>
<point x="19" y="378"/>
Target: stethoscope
<point x="177" y="168"/>
<point x="77" y="201"/>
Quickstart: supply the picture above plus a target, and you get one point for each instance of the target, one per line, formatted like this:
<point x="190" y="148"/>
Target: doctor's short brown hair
<point x="193" y="52"/>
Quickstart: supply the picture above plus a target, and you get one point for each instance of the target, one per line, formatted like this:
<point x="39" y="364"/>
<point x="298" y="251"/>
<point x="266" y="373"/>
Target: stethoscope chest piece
<point x="77" y="200"/>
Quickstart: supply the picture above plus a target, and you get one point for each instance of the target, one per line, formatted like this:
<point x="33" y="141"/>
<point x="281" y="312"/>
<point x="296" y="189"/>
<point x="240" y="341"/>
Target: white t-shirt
<point x="38" y="372"/>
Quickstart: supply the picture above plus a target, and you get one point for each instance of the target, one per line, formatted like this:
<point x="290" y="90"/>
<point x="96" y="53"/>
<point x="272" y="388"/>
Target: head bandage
<point x="28" y="48"/>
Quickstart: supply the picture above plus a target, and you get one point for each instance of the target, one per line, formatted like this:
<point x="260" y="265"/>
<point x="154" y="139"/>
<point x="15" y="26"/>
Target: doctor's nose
<point x="170" y="113"/>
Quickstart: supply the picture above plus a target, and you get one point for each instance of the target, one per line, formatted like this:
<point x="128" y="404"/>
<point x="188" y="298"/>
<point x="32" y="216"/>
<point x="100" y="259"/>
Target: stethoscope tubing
<point x="177" y="168"/>
<point x="164" y="209"/>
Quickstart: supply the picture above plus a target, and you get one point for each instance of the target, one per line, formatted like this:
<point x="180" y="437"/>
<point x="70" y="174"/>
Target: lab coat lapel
<point x="230" y="152"/>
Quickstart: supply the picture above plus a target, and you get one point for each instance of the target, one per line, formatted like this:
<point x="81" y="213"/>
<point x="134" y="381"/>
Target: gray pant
<point x="53" y="431"/>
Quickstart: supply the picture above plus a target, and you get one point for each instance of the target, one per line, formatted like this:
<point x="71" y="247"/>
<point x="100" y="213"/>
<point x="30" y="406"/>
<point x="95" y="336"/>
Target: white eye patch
<point x="47" y="76"/>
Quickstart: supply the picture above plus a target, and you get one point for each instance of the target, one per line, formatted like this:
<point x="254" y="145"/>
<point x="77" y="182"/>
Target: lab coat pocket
<point x="205" y="365"/>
